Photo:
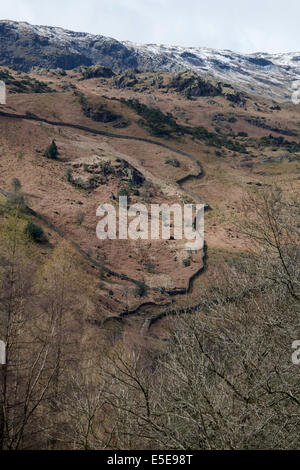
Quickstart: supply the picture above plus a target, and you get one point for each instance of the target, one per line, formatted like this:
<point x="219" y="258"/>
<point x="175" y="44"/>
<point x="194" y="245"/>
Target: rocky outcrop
<point x="233" y="95"/>
<point x="126" y="80"/>
<point x="90" y="177"/>
<point x="96" y="71"/>
<point x="191" y="84"/>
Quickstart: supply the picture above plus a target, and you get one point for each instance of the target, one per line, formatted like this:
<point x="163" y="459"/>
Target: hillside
<point x="157" y="142"/>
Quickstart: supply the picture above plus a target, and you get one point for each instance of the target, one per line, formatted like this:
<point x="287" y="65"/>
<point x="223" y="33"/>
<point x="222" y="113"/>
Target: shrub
<point x="79" y="183"/>
<point x="35" y="232"/>
<point x="51" y="150"/>
<point x="68" y="175"/>
<point x="186" y="263"/>
<point x="79" y="218"/>
<point x="159" y="124"/>
<point x="16" y="197"/>
<point x="141" y="289"/>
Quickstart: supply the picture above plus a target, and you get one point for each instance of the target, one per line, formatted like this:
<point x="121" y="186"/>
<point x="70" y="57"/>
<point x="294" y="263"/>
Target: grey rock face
<point x="24" y="46"/>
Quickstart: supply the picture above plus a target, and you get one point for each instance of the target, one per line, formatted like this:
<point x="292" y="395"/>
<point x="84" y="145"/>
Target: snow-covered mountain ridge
<point x="273" y="76"/>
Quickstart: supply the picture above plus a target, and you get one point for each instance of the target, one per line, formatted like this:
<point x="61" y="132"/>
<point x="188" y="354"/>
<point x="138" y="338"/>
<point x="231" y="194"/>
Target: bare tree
<point x="26" y="378"/>
<point x="225" y="379"/>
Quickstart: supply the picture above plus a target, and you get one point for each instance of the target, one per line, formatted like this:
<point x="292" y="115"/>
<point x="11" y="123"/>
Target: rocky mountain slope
<point x="23" y="46"/>
<point x="157" y="137"/>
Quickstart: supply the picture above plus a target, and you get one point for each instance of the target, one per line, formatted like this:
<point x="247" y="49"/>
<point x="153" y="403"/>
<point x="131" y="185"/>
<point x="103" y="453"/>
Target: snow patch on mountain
<point x="269" y="75"/>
